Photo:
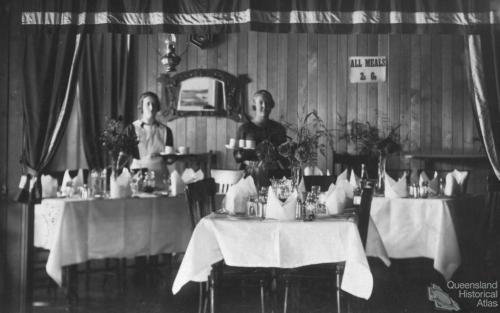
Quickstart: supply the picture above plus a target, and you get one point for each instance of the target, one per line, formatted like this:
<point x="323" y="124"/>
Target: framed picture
<point x="201" y="94"/>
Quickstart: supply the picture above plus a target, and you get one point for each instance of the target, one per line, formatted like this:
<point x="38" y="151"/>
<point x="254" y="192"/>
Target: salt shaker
<point x="298" y="210"/>
<point x="441" y="186"/>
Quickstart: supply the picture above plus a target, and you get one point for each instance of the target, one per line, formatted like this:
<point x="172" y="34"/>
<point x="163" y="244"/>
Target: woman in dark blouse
<point x="260" y="128"/>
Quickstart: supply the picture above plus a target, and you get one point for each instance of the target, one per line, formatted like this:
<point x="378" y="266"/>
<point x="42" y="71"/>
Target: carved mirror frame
<point x="171" y="87"/>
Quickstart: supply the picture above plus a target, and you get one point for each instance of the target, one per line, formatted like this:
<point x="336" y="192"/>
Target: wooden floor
<point x="402" y="288"/>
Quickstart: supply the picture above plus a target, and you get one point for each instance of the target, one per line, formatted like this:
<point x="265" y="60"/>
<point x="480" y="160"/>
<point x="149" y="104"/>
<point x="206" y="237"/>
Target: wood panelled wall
<point x="425" y="92"/>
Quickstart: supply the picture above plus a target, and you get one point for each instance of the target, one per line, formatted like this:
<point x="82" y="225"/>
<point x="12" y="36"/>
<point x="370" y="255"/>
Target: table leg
<point x="339" y="269"/>
<point x="211" y="282"/>
<point x="70" y="283"/>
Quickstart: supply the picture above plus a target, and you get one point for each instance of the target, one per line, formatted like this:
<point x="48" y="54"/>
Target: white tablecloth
<point x="281" y="244"/>
<point x="79" y="230"/>
<point x="420" y="228"/>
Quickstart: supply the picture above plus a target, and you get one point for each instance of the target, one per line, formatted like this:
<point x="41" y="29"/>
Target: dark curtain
<point x="106" y="89"/>
<point x="484" y="82"/>
<point x="50" y="60"/>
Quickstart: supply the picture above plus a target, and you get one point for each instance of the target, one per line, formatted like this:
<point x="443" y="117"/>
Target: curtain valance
<point x="337" y="16"/>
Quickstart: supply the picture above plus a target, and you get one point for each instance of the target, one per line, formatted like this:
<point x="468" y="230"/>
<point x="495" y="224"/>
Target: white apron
<point x="152" y="139"/>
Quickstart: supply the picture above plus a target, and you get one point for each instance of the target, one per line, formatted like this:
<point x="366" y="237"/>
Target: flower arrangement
<point x="303" y="149"/>
<point x="119" y="143"/>
<point x="371" y="140"/>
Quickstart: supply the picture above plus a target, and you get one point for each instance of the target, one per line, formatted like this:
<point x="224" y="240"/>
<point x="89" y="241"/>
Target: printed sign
<point x="367" y="69"/>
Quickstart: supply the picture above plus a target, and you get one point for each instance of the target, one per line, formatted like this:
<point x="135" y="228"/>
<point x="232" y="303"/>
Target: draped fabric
<point x="336" y="16"/>
<point x="484" y="82"/>
<point x="70" y="154"/>
<point x="50" y="60"/>
<point x="105" y="83"/>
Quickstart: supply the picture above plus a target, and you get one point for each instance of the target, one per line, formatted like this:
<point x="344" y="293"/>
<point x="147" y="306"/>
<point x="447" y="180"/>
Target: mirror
<point x="201" y="92"/>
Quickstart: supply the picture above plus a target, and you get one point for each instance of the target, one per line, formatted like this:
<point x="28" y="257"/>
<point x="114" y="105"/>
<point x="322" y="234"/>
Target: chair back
<point x="364" y="213"/>
<point x="225" y="178"/>
<point x="279" y="173"/>
<point x="349" y="161"/>
<point x="493" y="184"/>
<point x="323" y="181"/>
<point x="200" y="196"/>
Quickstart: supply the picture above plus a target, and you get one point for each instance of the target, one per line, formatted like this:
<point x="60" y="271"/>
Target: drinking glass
<point x="315" y="190"/>
<point x="134" y="186"/>
<point x="283" y="192"/>
<point x="252" y="206"/>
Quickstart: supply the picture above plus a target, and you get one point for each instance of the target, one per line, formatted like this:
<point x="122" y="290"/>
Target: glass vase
<point x="296" y="176"/>
<point x="380" y="187"/>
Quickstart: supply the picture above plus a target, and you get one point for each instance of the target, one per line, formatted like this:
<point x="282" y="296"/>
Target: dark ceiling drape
<point x="105" y="83"/>
<point x="50" y="60"/>
<point x="335" y="16"/>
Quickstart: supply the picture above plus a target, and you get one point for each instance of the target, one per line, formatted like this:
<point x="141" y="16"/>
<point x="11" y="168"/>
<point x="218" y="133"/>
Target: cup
<point x="183" y="150"/>
<point x="169" y="149"/>
<point x="232" y="142"/>
<point x="241" y="143"/>
<point x="250" y="144"/>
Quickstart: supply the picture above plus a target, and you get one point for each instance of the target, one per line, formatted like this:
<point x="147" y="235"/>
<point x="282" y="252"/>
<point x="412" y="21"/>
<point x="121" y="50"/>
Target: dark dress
<point x="272" y="131"/>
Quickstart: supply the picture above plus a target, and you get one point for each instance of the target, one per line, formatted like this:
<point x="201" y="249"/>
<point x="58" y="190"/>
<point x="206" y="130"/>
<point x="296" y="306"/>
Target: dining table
<point x="269" y="243"/>
<point x="77" y="230"/>
<point x="427" y="227"/>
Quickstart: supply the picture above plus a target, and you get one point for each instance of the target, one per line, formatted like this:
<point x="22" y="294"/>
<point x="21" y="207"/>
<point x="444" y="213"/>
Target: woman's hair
<point x="144" y="95"/>
<point x="266" y="96"/>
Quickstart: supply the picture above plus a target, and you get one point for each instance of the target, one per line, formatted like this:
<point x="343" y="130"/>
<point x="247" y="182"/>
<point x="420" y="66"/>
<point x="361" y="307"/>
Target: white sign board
<point x="367" y="69"/>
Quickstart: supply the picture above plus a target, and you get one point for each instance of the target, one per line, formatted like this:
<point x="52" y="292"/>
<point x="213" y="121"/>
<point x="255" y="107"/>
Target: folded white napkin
<point x="78" y="179"/>
<point x="49" y="186"/>
<point x="238" y="194"/>
<point x="75" y="182"/>
<point x="67" y="181"/>
<point x="312" y="170"/>
<point x="395" y="189"/>
<point x="119" y="186"/>
<point x="354" y="180"/>
<point x="434" y="184"/>
<point x="461" y="178"/>
<point x="67" y="184"/>
<point x="455" y="183"/>
<point x="190" y="176"/>
<point x="338" y="197"/>
<point x="176" y="184"/>
<point x="342" y="176"/>
<point x="423" y="178"/>
<point x="281" y="210"/>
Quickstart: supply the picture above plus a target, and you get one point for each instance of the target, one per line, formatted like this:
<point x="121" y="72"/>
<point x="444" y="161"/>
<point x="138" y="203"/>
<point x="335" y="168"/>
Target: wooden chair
<point x="201" y="197"/>
<point x="349" y="161"/>
<point x="319" y="180"/>
<point x="225" y="178"/>
<point x="325" y="271"/>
